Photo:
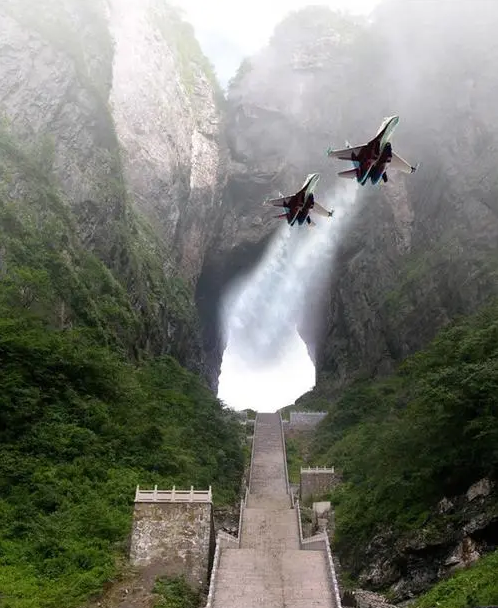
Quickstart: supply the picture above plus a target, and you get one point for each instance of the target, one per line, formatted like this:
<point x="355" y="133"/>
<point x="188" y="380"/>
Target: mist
<point x="229" y="32"/>
<point x="266" y="364"/>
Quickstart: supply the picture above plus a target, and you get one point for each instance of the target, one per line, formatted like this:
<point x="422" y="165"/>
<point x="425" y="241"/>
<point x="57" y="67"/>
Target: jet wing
<point x="346" y="153"/>
<point x="399" y="164"/>
<point x="285" y="201"/>
<point x="318" y="209"/>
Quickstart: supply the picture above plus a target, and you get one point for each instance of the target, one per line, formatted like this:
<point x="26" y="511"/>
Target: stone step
<point x="248" y="578"/>
<point x="269" y="570"/>
<point x="273" y="503"/>
<point x="305" y="580"/>
<point x="268" y="470"/>
<point x="271" y="530"/>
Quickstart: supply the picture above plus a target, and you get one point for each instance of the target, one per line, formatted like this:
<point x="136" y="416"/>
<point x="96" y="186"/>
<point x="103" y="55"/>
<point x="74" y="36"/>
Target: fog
<point x="266" y="364"/>
<point x="431" y="62"/>
<point x="229" y="31"/>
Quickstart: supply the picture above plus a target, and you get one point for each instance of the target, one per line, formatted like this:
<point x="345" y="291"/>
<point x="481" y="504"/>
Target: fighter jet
<point x="372" y="159"/>
<point x="297" y="206"/>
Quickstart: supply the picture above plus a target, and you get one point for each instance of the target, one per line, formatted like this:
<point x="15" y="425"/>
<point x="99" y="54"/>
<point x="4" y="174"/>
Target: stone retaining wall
<point x="176" y="538"/>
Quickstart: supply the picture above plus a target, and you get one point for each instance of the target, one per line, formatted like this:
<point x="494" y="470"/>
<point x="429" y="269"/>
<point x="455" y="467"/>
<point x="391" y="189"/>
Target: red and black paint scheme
<point x="371" y="160"/>
<point x="298" y="206"/>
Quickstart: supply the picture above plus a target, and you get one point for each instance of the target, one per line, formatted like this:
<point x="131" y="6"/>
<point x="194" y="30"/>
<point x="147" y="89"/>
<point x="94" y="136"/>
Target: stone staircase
<point x="269" y="570"/>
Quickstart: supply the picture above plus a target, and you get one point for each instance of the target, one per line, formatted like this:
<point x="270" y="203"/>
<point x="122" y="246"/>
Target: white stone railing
<point x="305" y="419"/>
<point x="332" y="574"/>
<point x="226" y="540"/>
<point x="287" y="487"/>
<point x="252" y="452"/>
<point x="320" y="542"/>
<point x="214" y="571"/>
<point x="317" y="470"/>
<point x="299" y="524"/>
<point x="173" y="495"/>
<point x="243" y="504"/>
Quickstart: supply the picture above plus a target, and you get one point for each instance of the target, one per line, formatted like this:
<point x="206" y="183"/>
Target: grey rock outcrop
<point x="360" y="598"/>
<point x="422" y="249"/>
<point x="409" y="564"/>
<point x="55" y="74"/>
<point x="169" y="125"/>
<point x="123" y="118"/>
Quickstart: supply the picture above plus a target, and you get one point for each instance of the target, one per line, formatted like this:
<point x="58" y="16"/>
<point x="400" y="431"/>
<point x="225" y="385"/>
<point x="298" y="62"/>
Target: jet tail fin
<point x="350" y="174"/>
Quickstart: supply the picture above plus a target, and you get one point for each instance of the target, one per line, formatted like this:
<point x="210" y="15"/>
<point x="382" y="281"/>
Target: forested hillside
<point x="93" y="320"/>
<point x="409" y="441"/>
<point x="81" y="425"/>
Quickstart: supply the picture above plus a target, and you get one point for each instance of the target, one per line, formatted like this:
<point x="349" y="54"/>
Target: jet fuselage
<point x="373" y="158"/>
<point x="304" y="200"/>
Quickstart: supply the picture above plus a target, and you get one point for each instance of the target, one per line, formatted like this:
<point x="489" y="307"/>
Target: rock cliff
<point x="166" y="106"/>
<point x="422" y="250"/>
<point x="119" y="110"/>
<point x="165" y="179"/>
<point x="454" y="536"/>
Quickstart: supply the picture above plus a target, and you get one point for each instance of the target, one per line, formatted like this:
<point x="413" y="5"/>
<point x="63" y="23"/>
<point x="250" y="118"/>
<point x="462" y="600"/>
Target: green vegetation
<point x="47" y="270"/>
<point x="428" y="431"/>
<point x="297" y="449"/>
<point x="79" y="428"/>
<point x="61" y="24"/>
<point x="476" y="586"/>
<point x="86" y="413"/>
<point x="176" y="593"/>
<point x="313" y="22"/>
<point x="191" y="60"/>
<point x="294" y="460"/>
<point x="243" y="70"/>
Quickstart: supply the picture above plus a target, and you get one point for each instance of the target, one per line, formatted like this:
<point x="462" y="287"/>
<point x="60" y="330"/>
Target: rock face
<point x="365" y="599"/>
<point x="119" y="106"/>
<point x="423" y="248"/>
<point x="410" y="564"/>
<point x="122" y="117"/>
<point x="279" y="122"/>
<point x="53" y="93"/>
<point x="165" y="106"/>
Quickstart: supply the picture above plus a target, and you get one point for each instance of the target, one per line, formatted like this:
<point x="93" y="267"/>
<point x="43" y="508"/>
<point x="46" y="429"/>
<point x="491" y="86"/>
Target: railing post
<point x="210" y="495"/>
<point x="173" y="494"/>
<point x="191" y="494"/>
<point x="154" y="496"/>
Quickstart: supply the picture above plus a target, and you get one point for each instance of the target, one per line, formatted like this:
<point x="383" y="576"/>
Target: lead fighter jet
<point x="297" y="206"/>
<point x="372" y="159"/>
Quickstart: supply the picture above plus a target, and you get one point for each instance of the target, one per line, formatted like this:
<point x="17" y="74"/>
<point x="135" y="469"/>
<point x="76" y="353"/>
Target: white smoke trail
<point x="266" y="364"/>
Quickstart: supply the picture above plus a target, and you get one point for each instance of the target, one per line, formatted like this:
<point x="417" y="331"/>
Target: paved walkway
<point x="269" y="570"/>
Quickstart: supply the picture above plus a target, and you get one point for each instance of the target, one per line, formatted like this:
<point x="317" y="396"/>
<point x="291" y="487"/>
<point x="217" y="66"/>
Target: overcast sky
<point x="229" y="30"/>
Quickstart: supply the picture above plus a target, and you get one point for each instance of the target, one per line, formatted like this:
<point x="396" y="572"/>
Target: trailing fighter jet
<point x="372" y="159"/>
<point x="297" y="206"/>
